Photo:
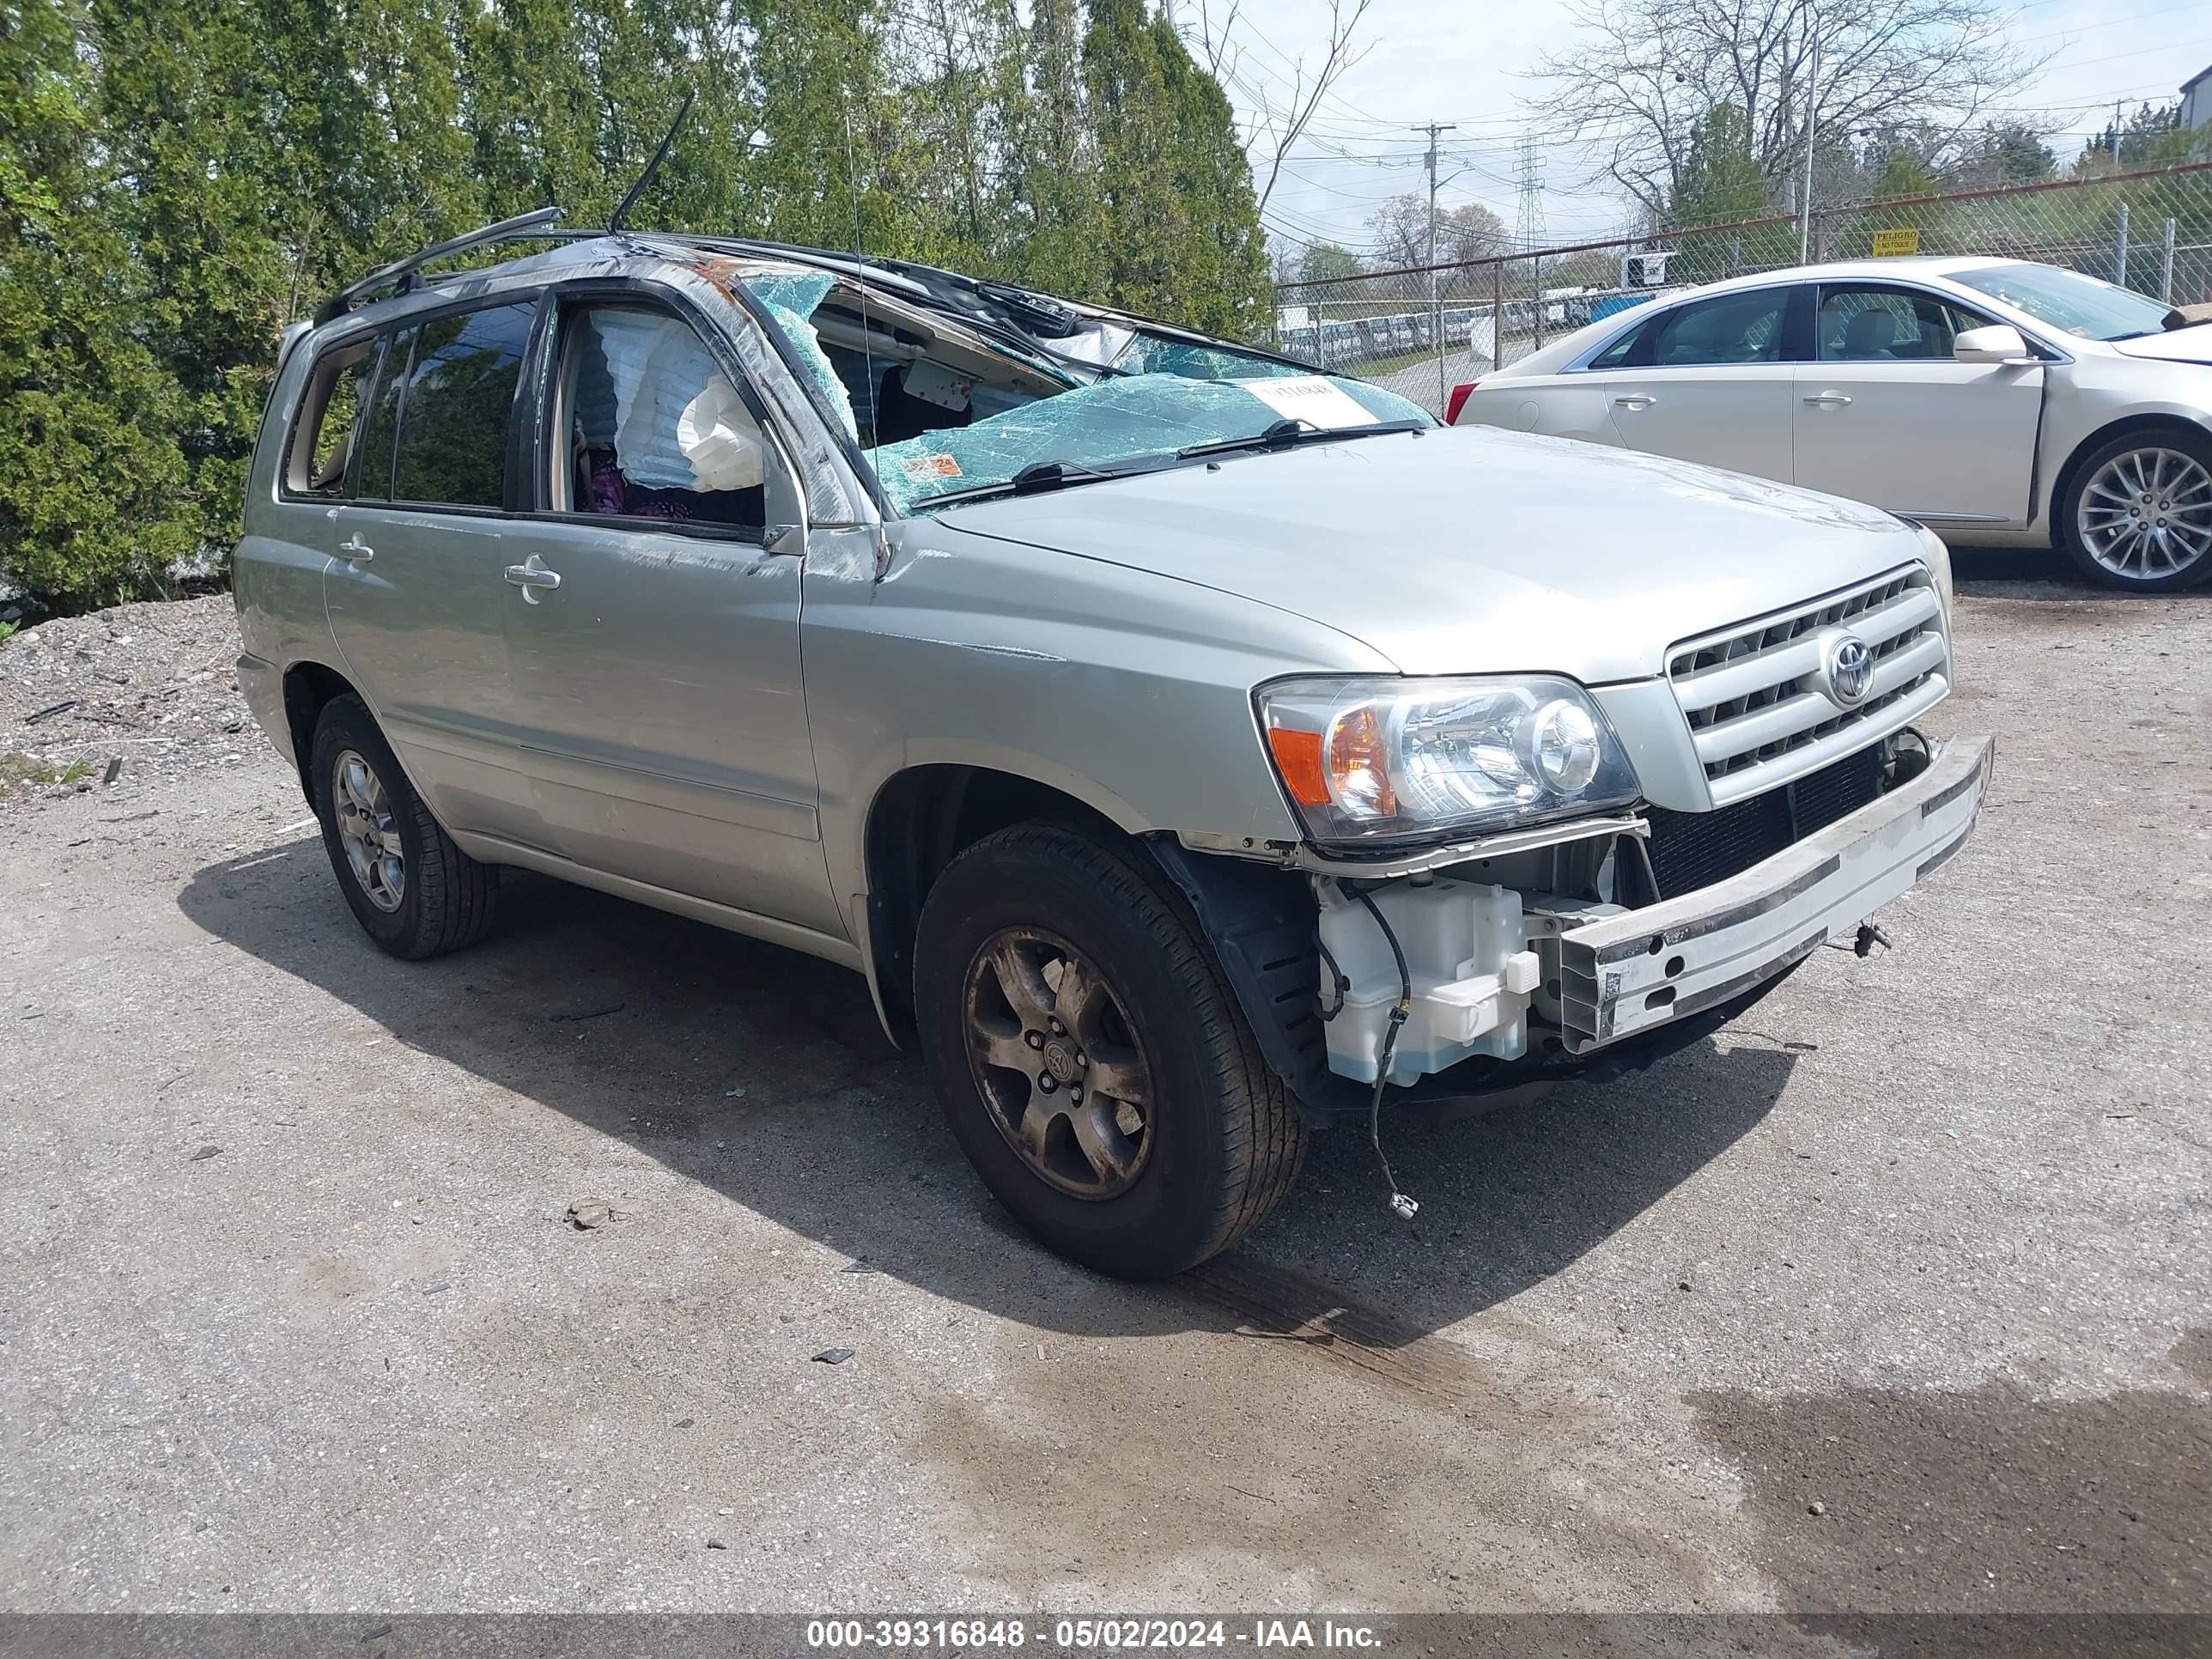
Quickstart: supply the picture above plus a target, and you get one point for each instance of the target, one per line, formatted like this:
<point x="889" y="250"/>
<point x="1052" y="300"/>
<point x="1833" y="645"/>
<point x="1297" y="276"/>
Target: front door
<point x="1885" y="414"/>
<point x="1708" y="381"/>
<point x="414" y="589"/>
<point x="652" y="634"/>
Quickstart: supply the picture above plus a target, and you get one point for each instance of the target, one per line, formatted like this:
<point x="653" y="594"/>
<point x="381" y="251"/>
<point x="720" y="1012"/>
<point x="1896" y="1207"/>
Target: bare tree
<point x="1217" y="46"/>
<point x="1280" y="119"/>
<point x="1398" y="232"/>
<point x="1646" y="71"/>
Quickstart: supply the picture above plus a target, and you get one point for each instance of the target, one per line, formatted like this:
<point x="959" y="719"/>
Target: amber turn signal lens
<point x="1359" y="760"/>
<point x="1298" y="758"/>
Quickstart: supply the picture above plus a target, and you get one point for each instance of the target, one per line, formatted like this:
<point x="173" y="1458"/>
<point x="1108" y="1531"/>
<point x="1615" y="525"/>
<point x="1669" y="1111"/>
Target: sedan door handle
<point x="1635" y="400"/>
<point x="1828" y="400"/>
<point x="355" y="550"/>
<point x="532" y="577"/>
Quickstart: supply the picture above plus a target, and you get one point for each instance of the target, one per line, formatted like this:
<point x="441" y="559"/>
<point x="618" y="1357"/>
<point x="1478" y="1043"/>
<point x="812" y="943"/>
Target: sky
<point x="1468" y="62"/>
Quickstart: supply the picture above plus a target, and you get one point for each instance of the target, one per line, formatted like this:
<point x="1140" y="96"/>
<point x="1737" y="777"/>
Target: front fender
<point x="1124" y="690"/>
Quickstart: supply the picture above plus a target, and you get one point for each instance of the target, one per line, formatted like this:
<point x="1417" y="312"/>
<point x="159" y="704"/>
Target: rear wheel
<point x="2138" y="511"/>
<point x="1091" y="1063"/>
<point x="412" y="889"/>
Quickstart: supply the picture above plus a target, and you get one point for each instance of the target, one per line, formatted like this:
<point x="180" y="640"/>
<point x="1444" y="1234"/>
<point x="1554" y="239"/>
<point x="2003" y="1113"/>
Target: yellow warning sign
<point x="1895" y="244"/>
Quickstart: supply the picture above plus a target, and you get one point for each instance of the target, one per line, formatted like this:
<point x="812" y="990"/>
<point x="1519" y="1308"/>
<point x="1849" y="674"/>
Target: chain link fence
<point x="1419" y="331"/>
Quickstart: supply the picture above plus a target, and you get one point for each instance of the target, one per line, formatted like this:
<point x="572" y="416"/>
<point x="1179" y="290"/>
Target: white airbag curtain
<point x="678" y="422"/>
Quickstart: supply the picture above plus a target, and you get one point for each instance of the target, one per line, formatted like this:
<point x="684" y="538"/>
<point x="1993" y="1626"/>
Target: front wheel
<point x="2137" y="513"/>
<point x="1091" y="1063"/>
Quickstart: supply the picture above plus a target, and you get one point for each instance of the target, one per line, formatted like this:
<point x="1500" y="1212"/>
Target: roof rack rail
<point x="535" y="222"/>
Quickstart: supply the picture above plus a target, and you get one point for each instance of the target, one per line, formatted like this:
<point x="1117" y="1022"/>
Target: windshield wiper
<point x="1290" y="431"/>
<point x="1032" y="480"/>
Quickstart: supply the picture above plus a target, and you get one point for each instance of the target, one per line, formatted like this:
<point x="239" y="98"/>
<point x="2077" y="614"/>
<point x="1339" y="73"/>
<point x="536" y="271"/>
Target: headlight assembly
<point x="1389" y="759"/>
<point x="1938" y="556"/>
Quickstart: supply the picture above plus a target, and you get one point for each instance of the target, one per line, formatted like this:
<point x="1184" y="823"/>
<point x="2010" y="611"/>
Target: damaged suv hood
<point x="1471" y="550"/>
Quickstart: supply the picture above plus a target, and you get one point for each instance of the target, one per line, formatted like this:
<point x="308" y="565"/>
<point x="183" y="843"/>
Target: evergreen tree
<point x="1721" y="179"/>
<point x="181" y="178"/>
<point x="96" y="494"/>
<point x="1181" y="227"/>
<point x="1053" y="158"/>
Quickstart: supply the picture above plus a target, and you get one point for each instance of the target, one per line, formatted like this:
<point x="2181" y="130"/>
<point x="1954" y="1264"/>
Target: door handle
<point x="1635" y="400"/>
<point x="1828" y="400"/>
<point x="532" y="577"/>
<point x="355" y="550"/>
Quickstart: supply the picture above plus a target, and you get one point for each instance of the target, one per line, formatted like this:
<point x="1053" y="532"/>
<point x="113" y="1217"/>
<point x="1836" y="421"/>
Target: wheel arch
<point x="921" y="819"/>
<point x="309" y="687"/>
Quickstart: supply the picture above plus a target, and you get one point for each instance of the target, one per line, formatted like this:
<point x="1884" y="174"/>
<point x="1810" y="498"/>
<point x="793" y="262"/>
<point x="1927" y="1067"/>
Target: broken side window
<point x="655" y="428"/>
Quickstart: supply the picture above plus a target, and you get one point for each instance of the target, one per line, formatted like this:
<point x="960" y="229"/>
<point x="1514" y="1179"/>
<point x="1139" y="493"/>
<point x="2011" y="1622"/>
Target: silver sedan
<point x="1995" y="401"/>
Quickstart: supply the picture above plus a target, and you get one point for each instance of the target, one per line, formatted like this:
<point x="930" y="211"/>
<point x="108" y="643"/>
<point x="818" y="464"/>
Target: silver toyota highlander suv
<point x="1189" y="749"/>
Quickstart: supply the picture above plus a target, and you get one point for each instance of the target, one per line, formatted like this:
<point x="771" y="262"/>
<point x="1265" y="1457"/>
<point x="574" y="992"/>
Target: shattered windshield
<point x="1129" y="418"/>
<point x="939" y="415"/>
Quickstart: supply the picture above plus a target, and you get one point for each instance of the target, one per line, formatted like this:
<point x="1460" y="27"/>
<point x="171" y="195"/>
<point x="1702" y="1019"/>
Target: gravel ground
<point x="1892" y="1298"/>
<point x="152" y="686"/>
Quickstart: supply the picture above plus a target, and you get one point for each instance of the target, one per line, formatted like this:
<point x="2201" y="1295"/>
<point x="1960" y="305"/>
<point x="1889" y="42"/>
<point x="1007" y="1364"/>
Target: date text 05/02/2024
<point x="1091" y="1635"/>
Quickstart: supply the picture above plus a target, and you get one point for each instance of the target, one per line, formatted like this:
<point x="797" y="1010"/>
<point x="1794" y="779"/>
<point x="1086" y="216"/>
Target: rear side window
<point x="1729" y="328"/>
<point x="321" y="451"/>
<point x="458" y="407"/>
<point x="1619" y="352"/>
<point x="372" y="474"/>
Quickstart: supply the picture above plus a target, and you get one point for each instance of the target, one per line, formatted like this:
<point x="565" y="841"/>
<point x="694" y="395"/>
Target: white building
<point x="2196" y="101"/>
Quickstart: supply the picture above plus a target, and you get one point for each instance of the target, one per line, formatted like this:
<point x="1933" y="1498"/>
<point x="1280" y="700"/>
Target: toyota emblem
<point x="1848" y="667"/>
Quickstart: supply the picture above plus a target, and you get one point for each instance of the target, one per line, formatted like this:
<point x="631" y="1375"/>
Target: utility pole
<point x="2116" y="133"/>
<point x="1812" y="129"/>
<point x="1436" y="303"/>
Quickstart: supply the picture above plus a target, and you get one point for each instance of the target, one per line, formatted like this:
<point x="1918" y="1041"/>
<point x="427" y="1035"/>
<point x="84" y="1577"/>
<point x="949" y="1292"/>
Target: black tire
<point x="1225" y="1140"/>
<point x="446" y="899"/>
<point x="2198" y="446"/>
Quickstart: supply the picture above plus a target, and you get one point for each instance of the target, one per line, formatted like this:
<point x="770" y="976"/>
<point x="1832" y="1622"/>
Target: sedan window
<point x="1727" y="328"/>
<point x="1881" y="325"/>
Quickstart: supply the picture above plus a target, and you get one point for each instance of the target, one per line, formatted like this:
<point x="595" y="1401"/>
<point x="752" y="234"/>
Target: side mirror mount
<point x="2000" y="343"/>
<point x="785" y="532"/>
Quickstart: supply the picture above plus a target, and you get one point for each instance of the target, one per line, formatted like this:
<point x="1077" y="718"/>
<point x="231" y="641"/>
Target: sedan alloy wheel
<point x="2147" y="514"/>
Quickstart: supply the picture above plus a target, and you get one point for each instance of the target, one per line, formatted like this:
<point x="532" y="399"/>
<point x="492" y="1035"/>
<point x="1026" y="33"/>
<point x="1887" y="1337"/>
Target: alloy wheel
<point x="1058" y="1062"/>
<point x="367" y="832"/>
<point x="2147" y="514"/>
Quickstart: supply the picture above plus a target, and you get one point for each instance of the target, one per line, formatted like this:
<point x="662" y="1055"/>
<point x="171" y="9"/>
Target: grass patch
<point x="19" y="770"/>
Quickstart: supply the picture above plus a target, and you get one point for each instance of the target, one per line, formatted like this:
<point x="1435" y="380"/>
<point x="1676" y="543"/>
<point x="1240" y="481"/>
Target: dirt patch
<point x="1985" y="1501"/>
<point x="1220" y="1460"/>
<point x="153" y="686"/>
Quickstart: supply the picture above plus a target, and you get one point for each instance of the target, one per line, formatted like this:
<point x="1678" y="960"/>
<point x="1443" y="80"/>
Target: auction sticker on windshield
<point x="938" y="465"/>
<point x="1309" y="398"/>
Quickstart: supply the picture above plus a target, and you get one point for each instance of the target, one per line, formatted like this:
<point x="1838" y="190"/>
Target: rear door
<point x="652" y="634"/>
<point x="415" y="590"/>
<point x="1885" y="414"/>
<point x="1710" y="380"/>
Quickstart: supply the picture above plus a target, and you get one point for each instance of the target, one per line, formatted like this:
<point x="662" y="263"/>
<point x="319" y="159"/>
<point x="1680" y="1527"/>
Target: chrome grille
<point x="1755" y="695"/>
